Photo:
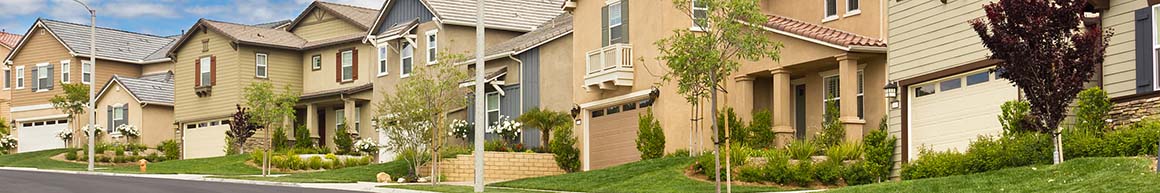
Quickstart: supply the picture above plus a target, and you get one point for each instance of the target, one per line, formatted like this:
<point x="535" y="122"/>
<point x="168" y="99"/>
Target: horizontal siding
<point x="927" y="36"/>
<point x="190" y="107"/>
<point x="328" y="26"/>
<point x="1120" y="56"/>
<point x="43" y="48"/>
<point x="283" y="68"/>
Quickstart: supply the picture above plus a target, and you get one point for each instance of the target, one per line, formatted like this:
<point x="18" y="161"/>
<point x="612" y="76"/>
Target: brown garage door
<point x="613" y="139"/>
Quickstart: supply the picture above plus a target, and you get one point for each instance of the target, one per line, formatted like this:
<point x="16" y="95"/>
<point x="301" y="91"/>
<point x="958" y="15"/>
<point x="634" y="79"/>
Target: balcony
<point x="608" y="68"/>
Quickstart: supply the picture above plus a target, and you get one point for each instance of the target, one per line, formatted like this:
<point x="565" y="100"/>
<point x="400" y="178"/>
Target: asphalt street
<point x="48" y="182"/>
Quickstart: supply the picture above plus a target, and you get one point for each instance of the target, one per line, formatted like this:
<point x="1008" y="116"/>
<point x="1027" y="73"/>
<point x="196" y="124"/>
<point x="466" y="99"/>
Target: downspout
<point x="521" y="69"/>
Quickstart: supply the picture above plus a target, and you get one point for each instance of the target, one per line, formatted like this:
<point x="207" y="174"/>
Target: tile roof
<point x="364" y="17"/>
<point x="272" y="25"/>
<point x="400" y="28"/>
<point x="521" y="15"/>
<point x="111" y="43"/>
<point x="152" y="88"/>
<point x="9" y="39"/>
<point x="823" y="33"/>
<point x="549" y="31"/>
<point x="256" y="35"/>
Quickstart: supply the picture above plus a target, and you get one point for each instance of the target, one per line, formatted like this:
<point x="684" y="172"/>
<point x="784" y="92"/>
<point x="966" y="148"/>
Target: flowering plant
<point x="460" y="129"/>
<point x="366" y="146"/>
<point x="7" y="142"/>
<point x="65" y="135"/>
<point x="506" y="128"/>
<point x="129" y="130"/>
<point x="98" y="131"/>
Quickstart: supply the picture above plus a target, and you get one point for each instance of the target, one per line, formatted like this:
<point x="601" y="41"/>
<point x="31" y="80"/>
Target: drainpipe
<point x="521" y="75"/>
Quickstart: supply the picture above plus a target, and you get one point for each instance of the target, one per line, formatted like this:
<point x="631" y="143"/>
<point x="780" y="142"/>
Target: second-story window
<point x="852" y="7"/>
<point x="382" y="61"/>
<point x="42" y="77"/>
<point x="432" y="45"/>
<point x="406" y="60"/>
<point x="7" y="79"/>
<point x="261" y="69"/>
<point x="20" y="77"/>
<point x="700" y="12"/>
<point x="831" y="10"/>
<point x="316" y="62"/>
<point x="65" y="71"/>
<point x="615" y="18"/>
<point x="347" y="65"/>
<point x="86" y="72"/>
<point x="205" y="71"/>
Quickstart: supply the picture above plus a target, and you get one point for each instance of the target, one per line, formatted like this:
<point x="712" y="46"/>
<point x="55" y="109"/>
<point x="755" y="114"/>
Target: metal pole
<point x="92" y="82"/>
<point x="480" y="117"/>
<point x="716" y="136"/>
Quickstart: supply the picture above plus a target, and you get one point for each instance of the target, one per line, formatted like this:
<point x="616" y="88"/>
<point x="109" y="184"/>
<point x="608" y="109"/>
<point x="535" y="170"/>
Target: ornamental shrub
<point x="844" y="151"/>
<point x="1014" y="117"/>
<point x="801" y="173"/>
<point x="563" y="145"/>
<point x="650" y="138"/>
<point x="1082" y="143"/>
<point x="1091" y="109"/>
<point x="833" y="132"/>
<point x="71" y="155"/>
<point x="802" y="149"/>
<point x="1012" y="150"/>
<point x="828" y="171"/>
<point x="171" y="149"/>
<point x="879" y="152"/>
<point x="679" y="153"/>
<point x="761" y="130"/>
<point x="302" y="138"/>
<point x="343" y="141"/>
<point x="738" y="132"/>
<point x="776" y="167"/>
<point x="858" y="173"/>
<point x="1139" y="138"/>
<point x="279" y="139"/>
<point x="935" y="164"/>
<point x="315" y="162"/>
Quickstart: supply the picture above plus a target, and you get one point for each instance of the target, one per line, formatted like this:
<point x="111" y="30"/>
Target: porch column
<point x="312" y="119"/>
<point x="848" y="87"/>
<point x="349" y="114"/>
<point x="782" y="107"/>
<point x="742" y="97"/>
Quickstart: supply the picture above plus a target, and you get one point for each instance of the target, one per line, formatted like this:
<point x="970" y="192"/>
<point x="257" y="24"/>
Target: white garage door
<point x="40" y="135"/>
<point x="949" y="113"/>
<point x="205" y="141"/>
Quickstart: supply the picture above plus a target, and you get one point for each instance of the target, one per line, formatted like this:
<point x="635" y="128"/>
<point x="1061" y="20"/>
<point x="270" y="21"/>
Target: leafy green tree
<point x="72" y="102"/>
<point x="833" y="132"/>
<point x="563" y="145"/>
<point x="241" y="129"/>
<point x="270" y="109"/>
<point x="544" y="120"/>
<point x="698" y="61"/>
<point x="650" y="138"/>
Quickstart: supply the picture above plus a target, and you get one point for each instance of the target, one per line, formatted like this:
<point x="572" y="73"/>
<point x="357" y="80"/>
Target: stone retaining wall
<point x="1131" y="111"/>
<point x="498" y="166"/>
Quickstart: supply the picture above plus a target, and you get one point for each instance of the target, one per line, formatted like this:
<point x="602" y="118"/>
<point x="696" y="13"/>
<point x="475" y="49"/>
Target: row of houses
<point x="595" y="59"/>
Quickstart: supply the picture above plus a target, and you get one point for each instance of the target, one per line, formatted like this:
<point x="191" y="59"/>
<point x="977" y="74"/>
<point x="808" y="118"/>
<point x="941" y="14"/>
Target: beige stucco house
<point x="8" y="42"/>
<point x="55" y="52"/>
<point x="145" y="103"/>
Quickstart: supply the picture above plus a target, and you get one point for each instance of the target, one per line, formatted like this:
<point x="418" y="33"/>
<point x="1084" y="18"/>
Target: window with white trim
<point x="86" y="72"/>
<point x="615" y="22"/>
<point x="20" y="77"/>
<point x="382" y="61"/>
<point x="432" y="47"/>
<point x="831" y="91"/>
<point x="492" y="108"/>
<point x="852" y="7"/>
<point x="347" y="65"/>
<point x="260" y="65"/>
<point x="339" y="119"/>
<point x="118" y="119"/>
<point x="700" y="12"/>
<point x="316" y="62"/>
<point x="7" y="79"/>
<point x="831" y="10"/>
<point x="1155" y="47"/>
<point x="43" y="77"/>
<point x="206" y="73"/>
<point x="406" y="61"/>
<point x="357" y="118"/>
<point x="65" y="71"/>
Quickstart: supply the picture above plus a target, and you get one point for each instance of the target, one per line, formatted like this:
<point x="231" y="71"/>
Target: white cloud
<point x="69" y="11"/>
<point x="207" y="10"/>
<point x="20" y="7"/>
<point x="129" y="9"/>
<point x="373" y="4"/>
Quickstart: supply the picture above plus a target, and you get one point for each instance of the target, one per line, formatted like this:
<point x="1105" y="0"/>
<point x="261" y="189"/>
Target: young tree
<point x="698" y="60"/>
<point x="241" y="129"/>
<point x="1046" y="51"/>
<point x="73" y="102"/>
<point x="269" y="109"/>
<point x="415" y="117"/>
<point x="544" y="120"/>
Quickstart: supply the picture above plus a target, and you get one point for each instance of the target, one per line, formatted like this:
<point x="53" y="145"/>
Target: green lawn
<point x="456" y="189"/>
<point x="226" y="165"/>
<point x="40" y="160"/>
<point x="658" y="175"/>
<point x="1119" y="174"/>
<point x="344" y="175"/>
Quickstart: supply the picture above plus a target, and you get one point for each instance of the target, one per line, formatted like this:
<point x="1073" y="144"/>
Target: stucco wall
<point x="866" y="21"/>
<point x="154" y="121"/>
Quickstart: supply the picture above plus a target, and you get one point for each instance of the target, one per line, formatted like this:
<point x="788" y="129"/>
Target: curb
<point x="156" y="176"/>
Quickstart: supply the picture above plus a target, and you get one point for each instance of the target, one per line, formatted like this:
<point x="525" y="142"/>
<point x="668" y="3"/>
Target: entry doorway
<point x="799" y="111"/>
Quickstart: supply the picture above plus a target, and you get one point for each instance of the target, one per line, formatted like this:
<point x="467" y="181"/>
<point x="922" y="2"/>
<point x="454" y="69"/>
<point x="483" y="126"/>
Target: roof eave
<point x="868" y="49"/>
<point x="485" y="26"/>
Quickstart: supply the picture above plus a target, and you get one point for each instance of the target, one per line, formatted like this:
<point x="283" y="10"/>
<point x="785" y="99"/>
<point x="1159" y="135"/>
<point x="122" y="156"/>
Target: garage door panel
<point x="205" y="142"/>
<point x="950" y="120"/>
<point x="613" y="139"/>
<point x="40" y="137"/>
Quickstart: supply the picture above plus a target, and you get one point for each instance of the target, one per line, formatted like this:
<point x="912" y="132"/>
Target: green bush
<point x="563" y="145"/>
<point x="1014" y="116"/>
<point x="879" y="150"/>
<point x="1139" y="138"/>
<point x="650" y="138"/>
<point x="495" y="145"/>
<point x="102" y="158"/>
<point x="330" y="165"/>
<point x="801" y="174"/>
<point x="315" y="162"/>
<point x="1091" y="109"/>
<point x="171" y="149"/>
<point x="761" y="130"/>
<point x="257" y="155"/>
<point x="678" y="153"/>
<point x="750" y="173"/>
<point x="776" y="167"/>
<point x="858" y="173"/>
<point x="833" y="132"/>
<point x="802" y="149"/>
<point x="331" y="156"/>
<point x="936" y="164"/>
<point x="1082" y="143"/>
<point x="71" y="155"/>
<point x="302" y="137"/>
<point x="1012" y="150"/>
<point x="279" y="138"/>
<point x="845" y="151"/>
<point x="828" y="172"/>
<point x="343" y="141"/>
<point x="706" y="165"/>
<point x="738" y="132"/>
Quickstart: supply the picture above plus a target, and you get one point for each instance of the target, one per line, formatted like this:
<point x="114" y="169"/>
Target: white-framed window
<point x="1155" y="47"/>
<point x="65" y="71"/>
<point x="831" y="91"/>
<point x="432" y="47"/>
<point x="118" y="119"/>
<point x="43" y="77"/>
<point x="339" y="119"/>
<point x="406" y="59"/>
<point x="316" y="62"/>
<point x="830" y="11"/>
<point x="86" y="72"/>
<point x="7" y="78"/>
<point x="347" y="65"/>
<point x="19" y="77"/>
<point x="853" y="7"/>
<point x="261" y="61"/>
<point x="615" y="21"/>
<point x="700" y="12"/>
<point x="382" y="61"/>
<point x="492" y="109"/>
<point x="357" y="118"/>
<point x="206" y="74"/>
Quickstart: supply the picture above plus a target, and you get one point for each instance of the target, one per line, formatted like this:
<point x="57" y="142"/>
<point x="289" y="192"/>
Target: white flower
<point x="64" y="135"/>
<point x="98" y="128"/>
<point x="129" y="130"/>
<point x="366" y="145"/>
<point x="7" y="142"/>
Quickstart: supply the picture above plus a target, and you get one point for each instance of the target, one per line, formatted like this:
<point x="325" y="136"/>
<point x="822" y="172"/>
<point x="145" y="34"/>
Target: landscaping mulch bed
<point x="61" y="157"/>
<point x="691" y="173"/>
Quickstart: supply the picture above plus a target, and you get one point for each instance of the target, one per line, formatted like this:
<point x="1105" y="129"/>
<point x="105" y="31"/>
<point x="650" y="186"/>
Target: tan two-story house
<point x="834" y="51"/>
<point x="8" y="42"/>
<point x="55" y="52"/>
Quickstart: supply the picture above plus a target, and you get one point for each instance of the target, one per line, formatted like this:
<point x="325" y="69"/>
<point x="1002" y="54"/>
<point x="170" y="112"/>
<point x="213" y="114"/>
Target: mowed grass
<point x="457" y="189"/>
<point x="225" y="165"/>
<point x="657" y="175"/>
<point x="365" y="173"/>
<point x="1117" y="174"/>
<point x="41" y="160"/>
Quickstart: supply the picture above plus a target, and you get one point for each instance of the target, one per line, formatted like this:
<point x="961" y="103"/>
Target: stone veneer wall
<point x="1132" y="110"/>
<point x="498" y="166"/>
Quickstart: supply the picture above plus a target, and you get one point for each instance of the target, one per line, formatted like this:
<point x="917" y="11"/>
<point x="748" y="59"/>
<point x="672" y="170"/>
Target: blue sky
<point x="159" y="17"/>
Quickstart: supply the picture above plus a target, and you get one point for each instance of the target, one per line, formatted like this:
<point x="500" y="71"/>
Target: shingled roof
<point x="249" y="34"/>
<point x="9" y="39"/>
<point x="501" y="14"/>
<point x="555" y="28"/>
<point x="822" y="33"/>
<point x="152" y="88"/>
<point x="112" y="44"/>
<point x="362" y="17"/>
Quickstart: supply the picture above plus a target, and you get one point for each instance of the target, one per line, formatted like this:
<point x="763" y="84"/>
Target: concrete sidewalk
<point x="360" y="186"/>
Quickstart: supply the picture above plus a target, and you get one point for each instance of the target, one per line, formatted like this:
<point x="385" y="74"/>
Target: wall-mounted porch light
<point x="892" y="94"/>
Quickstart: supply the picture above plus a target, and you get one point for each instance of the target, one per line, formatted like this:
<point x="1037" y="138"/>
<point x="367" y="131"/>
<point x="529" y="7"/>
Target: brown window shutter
<point x="338" y="66"/>
<point x="197" y="71"/>
<point x="213" y="70"/>
<point x="354" y="63"/>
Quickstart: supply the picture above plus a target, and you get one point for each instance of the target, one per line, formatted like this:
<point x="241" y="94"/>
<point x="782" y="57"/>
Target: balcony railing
<point x="608" y="67"/>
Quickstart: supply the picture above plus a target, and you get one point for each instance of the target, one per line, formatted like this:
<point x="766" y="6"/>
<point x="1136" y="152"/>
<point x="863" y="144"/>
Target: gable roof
<point x="152" y="88"/>
<point x="520" y="16"/>
<point x="820" y="34"/>
<point x="362" y="17"/>
<point x="273" y="24"/>
<point x="261" y="35"/>
<point x="112" y="44"/>
<point x="555" y="28"/>
<point x="9" y="40"/>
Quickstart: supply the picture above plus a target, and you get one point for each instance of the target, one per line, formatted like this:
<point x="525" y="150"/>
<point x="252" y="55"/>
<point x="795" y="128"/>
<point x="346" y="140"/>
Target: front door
<point x="321" y="128"/>
<point x="799" y="108"/>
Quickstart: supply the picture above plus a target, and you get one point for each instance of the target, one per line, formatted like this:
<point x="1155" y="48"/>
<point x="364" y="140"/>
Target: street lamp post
<point x="480" y="117"/>
<point x="93" y="75"/>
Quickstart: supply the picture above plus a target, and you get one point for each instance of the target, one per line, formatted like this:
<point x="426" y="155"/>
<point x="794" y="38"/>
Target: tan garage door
<point x="613" y="139"/>
<point x="960" y="109"/>
<point x="205" y="142"/>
